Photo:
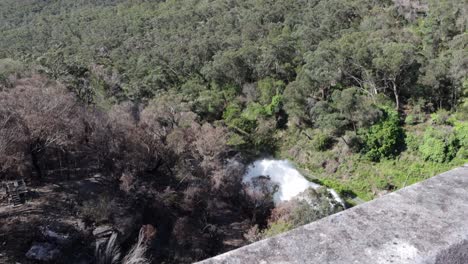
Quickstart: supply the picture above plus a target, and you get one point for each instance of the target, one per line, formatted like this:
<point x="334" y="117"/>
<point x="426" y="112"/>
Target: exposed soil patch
<point x="49" y="205"/>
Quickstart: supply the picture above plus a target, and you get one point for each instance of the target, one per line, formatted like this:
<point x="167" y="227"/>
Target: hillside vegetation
<point x="169" y="100"/>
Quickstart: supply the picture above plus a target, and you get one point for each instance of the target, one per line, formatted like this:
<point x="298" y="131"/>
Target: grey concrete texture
<point x="423" y="223"/>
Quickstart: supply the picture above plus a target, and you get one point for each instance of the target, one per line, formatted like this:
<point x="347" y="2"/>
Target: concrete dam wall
<point x="423" y="223"/>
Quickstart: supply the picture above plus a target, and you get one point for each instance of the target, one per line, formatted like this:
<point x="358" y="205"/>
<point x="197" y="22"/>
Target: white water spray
<point x="284" y="174"/>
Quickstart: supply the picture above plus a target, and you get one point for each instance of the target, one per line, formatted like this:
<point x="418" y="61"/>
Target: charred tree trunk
<point x="35" y="162"/>
<point x="397" y="96"/>
<point x="67" y="162"/>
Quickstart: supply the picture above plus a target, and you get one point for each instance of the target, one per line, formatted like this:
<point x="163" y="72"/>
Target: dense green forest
<point x="366" y="96"/>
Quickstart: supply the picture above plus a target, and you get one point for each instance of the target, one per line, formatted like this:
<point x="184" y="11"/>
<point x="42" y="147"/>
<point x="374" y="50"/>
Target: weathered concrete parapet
<point x="424" y="223"/>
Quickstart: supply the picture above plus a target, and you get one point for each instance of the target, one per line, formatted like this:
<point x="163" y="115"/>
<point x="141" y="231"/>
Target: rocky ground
<point x="62" y="221"/>
<point x="48" y="226"/>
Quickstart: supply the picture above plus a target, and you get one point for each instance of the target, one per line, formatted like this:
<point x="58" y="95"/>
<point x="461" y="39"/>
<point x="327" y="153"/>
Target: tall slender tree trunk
<point x="67" y="161"/>
<point x="454" y="98"/>
<point x="35" y="163"/>
<point x="60" y="162"/>
<point x="397" y="97"/>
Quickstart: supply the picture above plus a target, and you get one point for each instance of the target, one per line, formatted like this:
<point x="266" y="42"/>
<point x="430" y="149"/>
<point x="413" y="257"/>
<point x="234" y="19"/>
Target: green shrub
<point x="441" y="117"/>
<point x="208" y="103"/>
<point x="235" y="140"/>
<point x="207" y="100"/>
<point x="268" y="88"/>
<point x="461" y="132"/>
<point x="439" y="145"/>
<point x="353" y="141"/>
<point x="462" y="153"/>
<point x="254" y="111"/>
<point x="416" y="112"/>
<point x="263" y="139"/>
<point x="384" y="139"/>
<point x="410" y="119"/>
<point x="333" y="184"/>
<point x="412" y="141"/>
<point x="275" y="105"/>
<point x="322" y="141"/>
<point x="234" y="117"/>
<point x="462" y="109"/>
<point x="10" y="66"/>
<point x="277" y="228"/>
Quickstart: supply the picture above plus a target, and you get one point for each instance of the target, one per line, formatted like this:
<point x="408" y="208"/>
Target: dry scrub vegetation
<point x="155" y="162"/>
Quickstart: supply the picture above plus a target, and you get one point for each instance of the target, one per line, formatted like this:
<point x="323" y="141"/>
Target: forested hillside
<point x="169" y="100"/>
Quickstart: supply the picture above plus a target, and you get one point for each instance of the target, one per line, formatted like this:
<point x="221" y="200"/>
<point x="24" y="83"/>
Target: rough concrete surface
<point x="424" y="223"/>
